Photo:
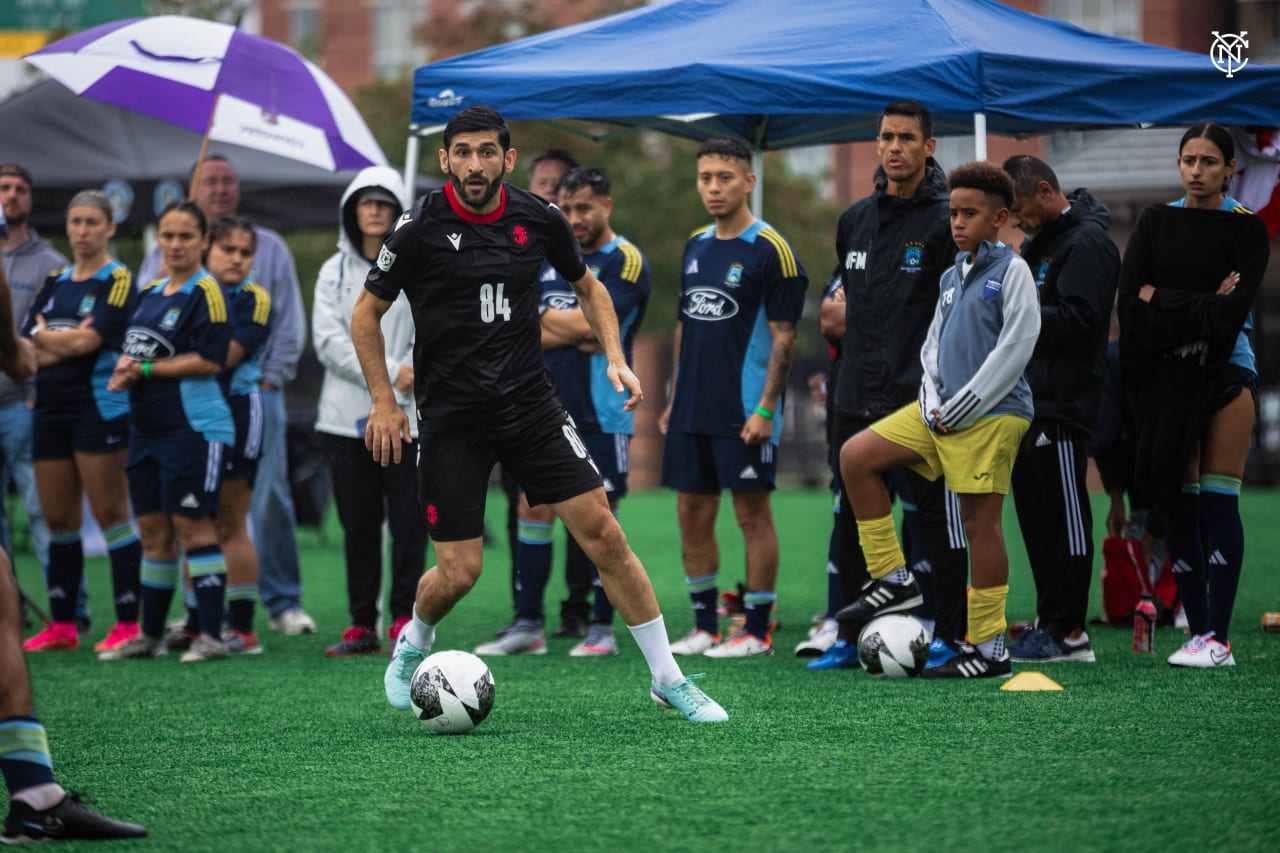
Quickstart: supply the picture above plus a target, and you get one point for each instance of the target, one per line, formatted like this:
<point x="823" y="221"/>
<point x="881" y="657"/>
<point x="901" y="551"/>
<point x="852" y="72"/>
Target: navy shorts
<point x="242" y="462"/>
<point x="1234" y="380"/>
<point x="709" y="464"/>
<point x="176" y="474"/>
<point x="61" y="437"/>
<point x="545" y="454"/>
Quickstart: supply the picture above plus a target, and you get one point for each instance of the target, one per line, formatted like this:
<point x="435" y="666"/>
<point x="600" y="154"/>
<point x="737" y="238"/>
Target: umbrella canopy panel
<point x="203" y="75"/>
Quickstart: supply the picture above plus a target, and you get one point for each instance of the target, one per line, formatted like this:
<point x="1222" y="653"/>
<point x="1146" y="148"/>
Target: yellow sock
<point x="986" y="613"/>
<point x="879" y="540"/>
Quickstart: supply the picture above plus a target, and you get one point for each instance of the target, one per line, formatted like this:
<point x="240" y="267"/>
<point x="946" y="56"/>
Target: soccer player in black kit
<point x="468" y="257"/>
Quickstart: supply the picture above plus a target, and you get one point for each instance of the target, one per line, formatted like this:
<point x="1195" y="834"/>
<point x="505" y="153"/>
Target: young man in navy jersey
<point x="742" y="292"/>
<point x="469" y="258"/>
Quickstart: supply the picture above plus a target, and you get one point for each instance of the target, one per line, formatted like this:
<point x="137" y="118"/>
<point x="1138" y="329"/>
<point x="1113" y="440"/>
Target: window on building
<point x="1114" y="17"/>
<point x="395" y="46"/>
<point x="304" y="27"/>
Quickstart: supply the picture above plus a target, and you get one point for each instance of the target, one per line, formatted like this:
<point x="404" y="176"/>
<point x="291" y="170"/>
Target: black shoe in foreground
<point x="877" y="598"/>
<point x="570" y="626"/>
<point x="971" y="664"/>
<point x="69" y="820"/>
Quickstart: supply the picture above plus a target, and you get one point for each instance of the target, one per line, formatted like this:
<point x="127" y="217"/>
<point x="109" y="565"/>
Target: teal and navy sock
<point x="1224" y="544"/>
<point x="159" y="579"/>
<point x="533" y="567"/>
<point x="759" y="606"/>
<point x="703" y="592"/>
<point x="241" y="599"/>
<point x="209" y="580"/>
<point x="66" y="568"/>
<point x="24" y="754"/>
<point x="1186" y="554"/>
<point x="125" y="553"/>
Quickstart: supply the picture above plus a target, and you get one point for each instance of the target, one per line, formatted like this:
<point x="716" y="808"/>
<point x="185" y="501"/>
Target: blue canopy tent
<point x="782" y="73"/>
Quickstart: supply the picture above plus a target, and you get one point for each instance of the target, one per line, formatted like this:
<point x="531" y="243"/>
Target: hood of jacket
<point x="382" y="177"/>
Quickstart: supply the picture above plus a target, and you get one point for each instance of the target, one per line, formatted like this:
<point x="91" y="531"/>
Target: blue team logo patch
<point x="912" y="257"/>
<point x="733" y="277"/>
<point x="86" y="304"/>
<point x="705" y="303"/>
<point x="595" y="271"/>
<point x="170" y="318"/>
<point x="1042" y="272"/>
<point x="991" y="290"/>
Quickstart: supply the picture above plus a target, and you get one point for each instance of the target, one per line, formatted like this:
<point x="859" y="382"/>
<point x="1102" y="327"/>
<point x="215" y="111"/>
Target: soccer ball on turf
<point x="451" y="692"/>
<point x="893" y="646"/>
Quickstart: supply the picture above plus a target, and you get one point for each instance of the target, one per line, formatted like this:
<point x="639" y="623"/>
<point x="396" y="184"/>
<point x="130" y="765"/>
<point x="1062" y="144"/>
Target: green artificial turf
<point x="290" y="750"/>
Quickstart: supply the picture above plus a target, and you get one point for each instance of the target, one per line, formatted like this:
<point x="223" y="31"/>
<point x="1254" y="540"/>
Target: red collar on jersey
<point x="470" y="215"/>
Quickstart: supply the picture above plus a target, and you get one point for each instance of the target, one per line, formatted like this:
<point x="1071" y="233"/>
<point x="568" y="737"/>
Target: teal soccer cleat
<point x="683" y="696"/>
<point x="400" y="671"/>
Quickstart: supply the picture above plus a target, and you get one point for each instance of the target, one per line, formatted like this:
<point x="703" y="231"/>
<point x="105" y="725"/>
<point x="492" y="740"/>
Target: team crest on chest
<point x="912" y="257"/>
<point x="86" y="304"/>
<point x="520" y="235"/>
<point x="733" y="277"/>
<point x="1042" y="272"/>
<point x="170" y="318"/>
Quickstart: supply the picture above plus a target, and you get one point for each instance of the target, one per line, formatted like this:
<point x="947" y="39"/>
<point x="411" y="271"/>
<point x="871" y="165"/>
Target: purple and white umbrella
<point x="213" y="79"/>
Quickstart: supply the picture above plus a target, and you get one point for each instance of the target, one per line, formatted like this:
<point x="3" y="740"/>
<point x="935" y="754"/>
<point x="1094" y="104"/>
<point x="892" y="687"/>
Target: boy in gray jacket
<point x="974" y="408"/>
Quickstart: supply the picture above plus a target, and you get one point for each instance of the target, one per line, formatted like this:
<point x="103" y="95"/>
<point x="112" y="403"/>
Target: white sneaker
<point x="293" y="621"/>
<point x="821" y="637"/>
<point x="694" y="643"/>
<point x="525" y="638"/>
<point x="599" y="641"/>
<point x="1203" y="651"/>
<point x="741" y="645"/>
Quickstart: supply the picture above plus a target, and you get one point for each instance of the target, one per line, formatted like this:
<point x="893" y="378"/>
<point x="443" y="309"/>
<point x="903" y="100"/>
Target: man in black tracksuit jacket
<point x="893" y="247"/>
<point x="1076" y="266"/>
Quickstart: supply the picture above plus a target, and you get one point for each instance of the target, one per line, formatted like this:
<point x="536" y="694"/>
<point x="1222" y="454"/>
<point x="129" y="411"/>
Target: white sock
<point x="651" y="637"/>
<point x="419" y="634"/>
<point x="41" y="797"/>
<point x="899" y="575"/>
<point x="992" y="649"/>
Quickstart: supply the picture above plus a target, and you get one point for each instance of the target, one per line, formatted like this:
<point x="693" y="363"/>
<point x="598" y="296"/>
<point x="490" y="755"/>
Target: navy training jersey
<point x="472" y="283"/>
<point x="729" y="293"/>
<point x="192" y="319"/>
<point x="249" y="306"/>
<point x="73" y="385"/>
<point x="581" y="377"/>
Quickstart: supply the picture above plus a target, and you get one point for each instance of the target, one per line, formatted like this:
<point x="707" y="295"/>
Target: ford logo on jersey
<point x="560" y="301"/>
<point x="142" y="344"/>
<point x="705" y="303"/>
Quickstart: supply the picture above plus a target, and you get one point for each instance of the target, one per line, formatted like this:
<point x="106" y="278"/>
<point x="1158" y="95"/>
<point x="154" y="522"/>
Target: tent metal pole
<point x="757" y="193"/>
<point x="979" y="136"/>
<point x="411" y="166"/>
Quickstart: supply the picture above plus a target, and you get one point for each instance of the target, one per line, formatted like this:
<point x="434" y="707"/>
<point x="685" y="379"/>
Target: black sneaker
<point x="356" y="640"/>
<point x="570" y="626"/>
<point x="877" y="598"/>
<point x="68" y="820"/>
<point x="971" y="664"/>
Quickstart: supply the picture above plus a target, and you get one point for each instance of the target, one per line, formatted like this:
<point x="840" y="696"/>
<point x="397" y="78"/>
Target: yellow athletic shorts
<point x="976" y="461"/>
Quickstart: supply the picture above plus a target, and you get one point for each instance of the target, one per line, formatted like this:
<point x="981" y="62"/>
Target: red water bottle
<point x="1144" y="626"/>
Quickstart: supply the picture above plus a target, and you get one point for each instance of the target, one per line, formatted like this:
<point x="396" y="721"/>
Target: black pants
<point x="367" y="494"/>
<point x="943" y="532"/>
<point x="1052" y="501"/>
